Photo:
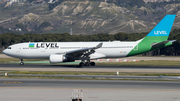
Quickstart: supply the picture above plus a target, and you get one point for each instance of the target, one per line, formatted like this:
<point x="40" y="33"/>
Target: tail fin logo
<point x="163" y="28"/>
<point x="160" y="32"/>
<point x="31" y="45"/>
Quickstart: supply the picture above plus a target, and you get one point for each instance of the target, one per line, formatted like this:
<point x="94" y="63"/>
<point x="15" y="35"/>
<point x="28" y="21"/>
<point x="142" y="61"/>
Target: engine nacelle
<point x="57" y="58"/>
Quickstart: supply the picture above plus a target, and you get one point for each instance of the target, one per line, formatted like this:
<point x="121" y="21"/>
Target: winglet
<point x="98" y="46"/>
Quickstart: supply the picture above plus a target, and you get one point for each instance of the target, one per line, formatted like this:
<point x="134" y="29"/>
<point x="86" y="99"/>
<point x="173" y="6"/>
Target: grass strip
<point x="144" y="63"/>
<point x="78" y="78"/>
<point x="61" y="73"/>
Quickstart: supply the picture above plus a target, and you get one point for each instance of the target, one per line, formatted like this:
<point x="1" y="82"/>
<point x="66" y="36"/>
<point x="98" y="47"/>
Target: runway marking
<point x="94" y="97"/>
<point x="12" y="82"/>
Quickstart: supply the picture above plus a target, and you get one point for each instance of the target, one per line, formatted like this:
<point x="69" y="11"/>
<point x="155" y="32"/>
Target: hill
<point x="84" y="17"/>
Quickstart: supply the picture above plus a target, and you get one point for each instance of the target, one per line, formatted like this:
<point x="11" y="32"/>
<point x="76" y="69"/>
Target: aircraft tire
<point x="81" y="64"/>
<point x="92" y="64"/>
<point x="21" y="63"/>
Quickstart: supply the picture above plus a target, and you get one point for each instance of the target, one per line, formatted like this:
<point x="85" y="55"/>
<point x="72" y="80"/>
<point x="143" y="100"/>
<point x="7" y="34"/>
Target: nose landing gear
<point x="21" y="63"/>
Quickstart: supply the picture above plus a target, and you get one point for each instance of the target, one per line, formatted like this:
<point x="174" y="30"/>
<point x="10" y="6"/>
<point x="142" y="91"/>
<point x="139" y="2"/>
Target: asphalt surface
<point x="93" y="90"/>
<point x="104" y="84"/>
<point x="12" y="89"/>
<point x="93" y="76"/>
<point x="94" y="67"/>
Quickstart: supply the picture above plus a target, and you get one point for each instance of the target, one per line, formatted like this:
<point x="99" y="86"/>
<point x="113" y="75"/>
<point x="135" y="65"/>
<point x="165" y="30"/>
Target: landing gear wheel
<point x="21" y="63"/>
<point x="81" y="64"/>
<point x="87" y="64"/>
<point x="92" y="63"/>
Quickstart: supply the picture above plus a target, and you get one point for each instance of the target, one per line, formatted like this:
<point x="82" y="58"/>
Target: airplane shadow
<point x="66" y="66"/>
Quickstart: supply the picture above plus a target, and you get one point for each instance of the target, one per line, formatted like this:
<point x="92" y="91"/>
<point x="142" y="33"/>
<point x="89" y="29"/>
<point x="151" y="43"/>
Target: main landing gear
<point x="21" y="63"/>
<point x="86" y="64"/>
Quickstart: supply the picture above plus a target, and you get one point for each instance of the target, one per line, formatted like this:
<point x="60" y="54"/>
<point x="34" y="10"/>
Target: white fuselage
<point x="43" y="50"/>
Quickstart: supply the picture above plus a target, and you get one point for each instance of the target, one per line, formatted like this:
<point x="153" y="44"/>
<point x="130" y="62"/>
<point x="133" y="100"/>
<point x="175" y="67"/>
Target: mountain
<point x="84" y="17"/>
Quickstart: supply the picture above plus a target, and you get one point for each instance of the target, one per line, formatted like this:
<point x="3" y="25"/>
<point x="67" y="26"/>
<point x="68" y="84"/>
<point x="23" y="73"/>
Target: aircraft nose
<point x="4" y="51"/>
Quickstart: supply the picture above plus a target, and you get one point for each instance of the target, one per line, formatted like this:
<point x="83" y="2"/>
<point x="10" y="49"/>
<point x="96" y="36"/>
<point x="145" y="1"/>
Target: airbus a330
<point x="58" y="52"/>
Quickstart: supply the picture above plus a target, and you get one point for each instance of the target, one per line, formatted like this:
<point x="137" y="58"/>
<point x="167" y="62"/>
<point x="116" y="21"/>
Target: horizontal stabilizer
<point x="172" y="41"/>
<point x="157" y="45"/>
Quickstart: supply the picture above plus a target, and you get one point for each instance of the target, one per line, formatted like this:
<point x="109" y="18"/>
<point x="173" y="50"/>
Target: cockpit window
<point x="9" y="48"/>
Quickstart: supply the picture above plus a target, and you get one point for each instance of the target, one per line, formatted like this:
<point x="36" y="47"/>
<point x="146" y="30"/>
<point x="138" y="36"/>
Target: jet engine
<point x="57" y="58"/>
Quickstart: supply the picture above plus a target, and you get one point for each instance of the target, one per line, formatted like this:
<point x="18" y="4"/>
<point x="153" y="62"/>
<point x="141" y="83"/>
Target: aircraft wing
<point x="157" y="45"/>
<point x="83" y="52"/>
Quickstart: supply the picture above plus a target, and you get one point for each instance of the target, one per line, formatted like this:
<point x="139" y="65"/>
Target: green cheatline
<point x="45" y="62"/>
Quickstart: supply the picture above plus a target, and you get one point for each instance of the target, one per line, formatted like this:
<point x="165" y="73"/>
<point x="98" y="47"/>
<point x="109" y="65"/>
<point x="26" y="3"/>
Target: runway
<point x="6" y="82"/>
<point x="76" y="66"/>
<point x="95" y="84"/>
<point x="98" y="68"/>
<point x="93" y="90"/>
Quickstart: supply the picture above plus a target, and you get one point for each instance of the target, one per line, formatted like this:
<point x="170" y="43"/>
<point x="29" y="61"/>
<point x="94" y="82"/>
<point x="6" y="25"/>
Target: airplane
<point x="58" y="52"/>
